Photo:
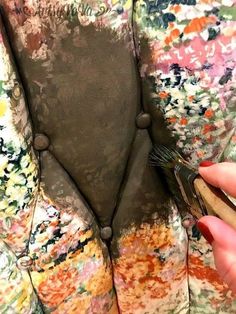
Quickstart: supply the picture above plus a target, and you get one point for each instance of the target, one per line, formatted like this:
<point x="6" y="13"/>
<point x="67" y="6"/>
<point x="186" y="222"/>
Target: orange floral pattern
<point x="150" y="274"/>
<point x="69" y="262"/>
<point x="206" y="288"/>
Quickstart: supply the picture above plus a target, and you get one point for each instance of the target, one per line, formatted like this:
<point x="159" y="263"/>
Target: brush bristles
<point x="167" y="159"/>
<point x="164" y="157"/>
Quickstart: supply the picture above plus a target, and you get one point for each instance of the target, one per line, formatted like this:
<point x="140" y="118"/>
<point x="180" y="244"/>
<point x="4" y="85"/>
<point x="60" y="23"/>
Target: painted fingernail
<point x="206" y="163"/>
<point x="205" y="232"/>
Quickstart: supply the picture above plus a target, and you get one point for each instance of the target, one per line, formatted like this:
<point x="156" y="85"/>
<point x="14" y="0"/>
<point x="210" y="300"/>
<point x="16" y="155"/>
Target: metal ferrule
<point x="185" y="176"/>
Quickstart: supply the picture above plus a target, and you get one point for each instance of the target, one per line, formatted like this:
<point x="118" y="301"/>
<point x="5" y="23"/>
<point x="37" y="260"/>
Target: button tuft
<point x="16" y="92"/>
<point x="188" y="221"/>
<point x="106" y="233"/>
<point x="24" y="262"/>
<point x="143" y="121"/>
<point x="41" y="142"/>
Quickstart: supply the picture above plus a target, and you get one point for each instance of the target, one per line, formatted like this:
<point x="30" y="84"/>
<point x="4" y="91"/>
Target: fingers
<point x="223" y="234"/>
<point x="222" y="238"/>
<point x="222" y="175"/>
<point x="226" y="265"/>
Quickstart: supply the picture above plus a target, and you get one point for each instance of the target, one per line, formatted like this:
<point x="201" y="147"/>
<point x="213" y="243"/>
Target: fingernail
<point x="205" y="232"/>
<point x="206" y="163"/>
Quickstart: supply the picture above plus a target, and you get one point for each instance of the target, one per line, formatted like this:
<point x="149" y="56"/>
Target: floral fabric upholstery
<point x="84" y="74"/>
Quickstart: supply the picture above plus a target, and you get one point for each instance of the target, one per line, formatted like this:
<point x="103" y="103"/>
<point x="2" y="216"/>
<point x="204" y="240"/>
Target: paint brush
<point x="189" y="189"/>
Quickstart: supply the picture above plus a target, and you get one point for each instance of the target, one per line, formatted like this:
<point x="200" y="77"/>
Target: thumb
<point x="223" y="240"/>
<point x="222" y="175"/>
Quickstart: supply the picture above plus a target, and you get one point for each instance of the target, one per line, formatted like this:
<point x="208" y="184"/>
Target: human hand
<point x="220" y="235"/>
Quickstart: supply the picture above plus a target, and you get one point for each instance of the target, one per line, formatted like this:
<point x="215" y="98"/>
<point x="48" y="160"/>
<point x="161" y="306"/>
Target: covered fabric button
<point x="24" y="262"/>
<point x="143" y="121"/>
<point x="188" y="221"/>
<point x="106" y="233"/>
<point x="16" y="92"/>
<point x="41" y="142"/>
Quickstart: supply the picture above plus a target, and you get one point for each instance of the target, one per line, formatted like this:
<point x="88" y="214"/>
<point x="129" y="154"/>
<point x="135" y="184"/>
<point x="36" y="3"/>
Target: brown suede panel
<point x="85" y="97"/>
<point x="86" y="100"/>
<point x="58" y="186"/>
<point x="143" y="196"/>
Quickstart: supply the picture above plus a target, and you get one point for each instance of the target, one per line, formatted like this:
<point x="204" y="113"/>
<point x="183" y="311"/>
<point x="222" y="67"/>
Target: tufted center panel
<point x="83" y="93"/>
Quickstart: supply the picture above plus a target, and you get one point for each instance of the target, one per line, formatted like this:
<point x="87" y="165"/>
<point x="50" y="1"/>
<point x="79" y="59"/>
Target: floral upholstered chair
<point x="86" y="88"/>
